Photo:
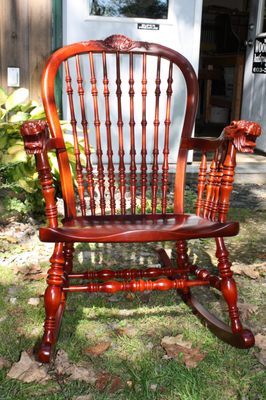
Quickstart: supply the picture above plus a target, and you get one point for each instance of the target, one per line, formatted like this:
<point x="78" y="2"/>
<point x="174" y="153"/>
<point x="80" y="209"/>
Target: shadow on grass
<point x="84" y="313"/>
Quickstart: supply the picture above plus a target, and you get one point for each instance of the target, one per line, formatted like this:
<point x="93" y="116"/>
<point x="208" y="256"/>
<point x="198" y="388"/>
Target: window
<point x="153" y="9"/>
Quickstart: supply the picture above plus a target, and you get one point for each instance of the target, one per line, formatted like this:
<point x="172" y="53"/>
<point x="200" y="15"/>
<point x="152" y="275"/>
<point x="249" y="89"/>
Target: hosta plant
<point x="19" y="185"/>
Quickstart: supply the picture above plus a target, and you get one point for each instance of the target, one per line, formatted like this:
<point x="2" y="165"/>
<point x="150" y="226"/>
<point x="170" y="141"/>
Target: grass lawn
<point x="134" y="325"/>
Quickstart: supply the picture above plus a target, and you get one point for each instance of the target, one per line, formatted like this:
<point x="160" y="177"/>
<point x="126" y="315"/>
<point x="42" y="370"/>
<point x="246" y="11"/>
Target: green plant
<point x="18" y="177"/>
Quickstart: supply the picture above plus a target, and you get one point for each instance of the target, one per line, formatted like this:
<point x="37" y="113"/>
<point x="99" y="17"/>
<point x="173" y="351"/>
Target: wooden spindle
<point x="202" y="273"/>
<point x="156" y="132"/>
<point x="210" y="190"/>
<point x="97" y="124"/>
<point x="121" y="152"/>
<point x="46" y="180"/>
<point x="111" y="170"/>
<point x="133" y="168"/>
<point x="213" y="201"/>
<point x="167" y="123"/>
<point x="227" y="181"/>
<point x="201" y="183"/>
<point x="80" y="180"/>
<point x="217" y="187"/>
<point x="84" y="123"/>
<point x="106" y="274"/>
<point x="136" y="286"/>
<point x="143" y="178"/>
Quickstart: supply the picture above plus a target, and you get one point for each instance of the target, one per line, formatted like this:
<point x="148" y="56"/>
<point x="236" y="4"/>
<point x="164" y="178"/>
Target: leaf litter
<point x="98" y="348"/>
<point x="176" y="347"/>
<point x="4" y="363"/>
<point x="84" y="371"/>
<point x="252" y="271"/>
<point x="260" y="342"/>
<point x="28" y="370"/>
<point x="247" y="310"/>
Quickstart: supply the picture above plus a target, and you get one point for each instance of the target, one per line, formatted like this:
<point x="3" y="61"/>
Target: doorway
<point x="224" y="33"/>
<point x="254" y="88"/>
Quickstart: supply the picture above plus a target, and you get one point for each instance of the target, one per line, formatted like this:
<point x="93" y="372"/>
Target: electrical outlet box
<point x="13" y="77"/>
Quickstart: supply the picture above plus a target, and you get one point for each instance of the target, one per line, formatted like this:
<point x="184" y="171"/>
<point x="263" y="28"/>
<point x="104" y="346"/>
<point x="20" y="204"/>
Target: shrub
<point x="19" y="185"/>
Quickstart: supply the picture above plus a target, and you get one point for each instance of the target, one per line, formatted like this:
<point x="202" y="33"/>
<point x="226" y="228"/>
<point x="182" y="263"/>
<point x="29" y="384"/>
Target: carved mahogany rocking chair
<point x="107" y="201"/>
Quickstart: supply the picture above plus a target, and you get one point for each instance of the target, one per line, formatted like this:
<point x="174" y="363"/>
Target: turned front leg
<point x="228" y="285"/>
<point x="53" y="298"/>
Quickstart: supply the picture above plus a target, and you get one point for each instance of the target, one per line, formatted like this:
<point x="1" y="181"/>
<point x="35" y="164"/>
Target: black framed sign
<point x="259" y="57"/>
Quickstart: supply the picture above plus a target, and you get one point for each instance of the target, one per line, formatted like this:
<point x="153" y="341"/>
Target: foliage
<point x="18" y="176"/>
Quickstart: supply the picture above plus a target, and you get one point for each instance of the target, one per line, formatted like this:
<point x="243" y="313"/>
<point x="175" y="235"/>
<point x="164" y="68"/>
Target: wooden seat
<point x="132" y="108"/>
<point x="137" y="228"/>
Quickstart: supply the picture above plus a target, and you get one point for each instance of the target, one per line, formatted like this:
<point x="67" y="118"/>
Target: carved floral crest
<point x="119" y="42"/>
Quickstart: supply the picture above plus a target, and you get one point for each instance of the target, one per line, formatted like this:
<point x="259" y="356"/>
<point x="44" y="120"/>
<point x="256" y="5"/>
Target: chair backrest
<point x="126" y="95"/>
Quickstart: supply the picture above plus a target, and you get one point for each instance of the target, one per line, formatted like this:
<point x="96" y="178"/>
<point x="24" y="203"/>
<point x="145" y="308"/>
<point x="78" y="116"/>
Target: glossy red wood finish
<point x="143" y="177"/>
<point x="125" y="217"/>
<point x="136" y="286"/>
<point x="87" y="150"/>
<point x="138" y="228"/>
<point x="106" y="274"/>
<point x="111" y="170"/>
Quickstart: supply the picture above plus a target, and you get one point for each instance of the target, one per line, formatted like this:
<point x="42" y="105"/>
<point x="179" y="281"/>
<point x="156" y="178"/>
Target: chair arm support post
<point x="227" y="181"/>
<point x="217" y="184"/>
<point x="36" y="137"/>
<point x="242" y="137"/>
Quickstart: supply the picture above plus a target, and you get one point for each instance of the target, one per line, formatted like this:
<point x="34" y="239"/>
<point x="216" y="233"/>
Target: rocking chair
<point x="125" y="96"/>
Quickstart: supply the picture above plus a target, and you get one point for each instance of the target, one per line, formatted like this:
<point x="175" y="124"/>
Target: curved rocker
<point x="46" y="349"/>
<point x="242" y="340"/>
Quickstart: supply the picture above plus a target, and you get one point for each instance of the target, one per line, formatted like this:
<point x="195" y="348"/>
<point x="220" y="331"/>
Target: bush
<point x="19" y="185"/>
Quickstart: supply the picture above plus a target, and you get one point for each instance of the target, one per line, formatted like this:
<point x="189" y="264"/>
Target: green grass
<point x="225" y="373"/>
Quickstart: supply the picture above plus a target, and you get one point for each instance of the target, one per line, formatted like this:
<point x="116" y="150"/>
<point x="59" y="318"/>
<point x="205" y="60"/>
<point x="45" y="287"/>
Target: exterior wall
<point x="181" y="31"/>
<point x="25" y="40"/>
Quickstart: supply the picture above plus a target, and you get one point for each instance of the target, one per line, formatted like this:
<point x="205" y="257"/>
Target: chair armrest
<point x="204" y="144"/>
<point x="36" y="141"/>
<point x="215" y="186"/>
<point x="242" y="134"/>
<point x="35" y="135"/>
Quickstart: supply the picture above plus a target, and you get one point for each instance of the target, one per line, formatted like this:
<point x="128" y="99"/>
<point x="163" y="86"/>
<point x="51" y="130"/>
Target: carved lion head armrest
<point x="35" y="135"/>
<point x="243" y="135"/>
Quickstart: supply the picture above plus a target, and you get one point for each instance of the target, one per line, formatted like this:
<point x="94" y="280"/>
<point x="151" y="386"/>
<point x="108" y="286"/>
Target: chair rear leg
<point x="183" y="261"/>
<point x="229" y="291"/>
<point x="234" y="334"/>
<point x="182" y="258"/>
<point x="68" y="255"/>
<point x="182" y="268"/>
<point x="54" y="301"/>
<point x="228" y="284"/>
